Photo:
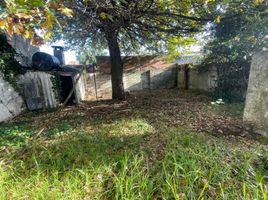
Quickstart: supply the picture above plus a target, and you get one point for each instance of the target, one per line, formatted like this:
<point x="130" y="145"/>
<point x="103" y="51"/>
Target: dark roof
<point x="134" y="63"/>
<point x="195" y="59"/>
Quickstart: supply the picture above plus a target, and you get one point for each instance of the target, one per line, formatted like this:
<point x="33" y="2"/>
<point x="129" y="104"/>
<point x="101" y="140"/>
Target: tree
<point x="130" y="24"/>
<point x="235" y="41"/>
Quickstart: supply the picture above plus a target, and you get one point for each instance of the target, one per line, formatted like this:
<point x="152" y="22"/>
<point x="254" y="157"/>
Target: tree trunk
<point x="116" y="66"/>
<point x="186" y="77"/>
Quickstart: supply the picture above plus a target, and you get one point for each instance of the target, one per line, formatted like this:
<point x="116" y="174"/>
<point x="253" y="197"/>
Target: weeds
<point x="138" y="151"/>
<point x="110" y="161"/>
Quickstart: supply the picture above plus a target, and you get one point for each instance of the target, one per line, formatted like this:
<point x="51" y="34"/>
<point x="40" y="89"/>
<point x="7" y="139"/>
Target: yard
<point x="155" y="145"/>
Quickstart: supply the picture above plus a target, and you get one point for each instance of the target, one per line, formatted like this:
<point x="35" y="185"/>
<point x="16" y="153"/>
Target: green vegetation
<point x="14" y="135"/>
<point x="9" y="66"/>
<point x="235" y="41"/>
<point x="233" y="109"/>
<point x="127" y="159"/>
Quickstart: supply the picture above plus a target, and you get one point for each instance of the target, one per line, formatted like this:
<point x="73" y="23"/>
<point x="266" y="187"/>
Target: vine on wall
<point x="9" y="66"/>
<point x="56" y="86"/>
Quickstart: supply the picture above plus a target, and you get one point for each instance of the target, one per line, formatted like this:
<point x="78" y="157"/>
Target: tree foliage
<point x="146" y="23"/>
<point x="235" y="41"/>
<point x="25" y="17"/>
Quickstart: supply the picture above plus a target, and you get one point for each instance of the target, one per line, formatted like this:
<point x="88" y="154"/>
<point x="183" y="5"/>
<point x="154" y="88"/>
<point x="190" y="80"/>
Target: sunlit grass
<point x="118" y="160"/>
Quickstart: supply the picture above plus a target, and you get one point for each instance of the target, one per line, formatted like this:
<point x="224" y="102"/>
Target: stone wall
<point x="199" y="80"/>
<point x="11" y="103"/>
<point x="256" y="108"/>
<point x="151" y="79"/>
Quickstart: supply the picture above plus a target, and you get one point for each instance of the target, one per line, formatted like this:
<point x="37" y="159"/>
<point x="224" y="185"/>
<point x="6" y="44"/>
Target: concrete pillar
<point x="256" y="108"/>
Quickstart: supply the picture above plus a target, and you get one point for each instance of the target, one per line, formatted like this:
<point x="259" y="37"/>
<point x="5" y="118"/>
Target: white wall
<point x="11" y="103"/>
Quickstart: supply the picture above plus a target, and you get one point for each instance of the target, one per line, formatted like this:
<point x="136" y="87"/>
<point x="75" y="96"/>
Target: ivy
<point x="9" y="66"/>
<point x="56" y="86"/>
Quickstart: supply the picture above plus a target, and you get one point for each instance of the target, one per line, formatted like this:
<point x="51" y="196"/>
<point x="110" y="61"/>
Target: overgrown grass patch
<point x="116" y="160"/>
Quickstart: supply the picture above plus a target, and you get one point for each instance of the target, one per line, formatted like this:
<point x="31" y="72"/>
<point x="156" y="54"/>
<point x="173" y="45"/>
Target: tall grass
<point x="120" y="160"/>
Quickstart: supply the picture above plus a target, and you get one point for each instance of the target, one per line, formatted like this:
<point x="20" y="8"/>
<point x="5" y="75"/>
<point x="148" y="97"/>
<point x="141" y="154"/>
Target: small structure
<point x="52" y="83"/>
<point x="256" y="108"/>
<point x="44" y="90"/>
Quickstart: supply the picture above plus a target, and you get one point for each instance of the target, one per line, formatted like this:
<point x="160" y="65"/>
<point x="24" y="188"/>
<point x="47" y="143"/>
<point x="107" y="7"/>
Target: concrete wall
<point x="11" y="103"/>
<point x="256" y="108"/>
<point x="151" y="79"/>
<point x="164" y="78"/>
<point x="135" y="81"/>
<point x="24" y="49"/>
<point x="206" y="81"/>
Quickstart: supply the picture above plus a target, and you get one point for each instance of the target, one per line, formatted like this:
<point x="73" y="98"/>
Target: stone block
<point x="11" y="104"/>
<point x="256" y="108"/>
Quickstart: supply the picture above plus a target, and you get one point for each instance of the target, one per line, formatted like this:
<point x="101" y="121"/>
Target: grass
<point x="149" y="147"/>
<point x="127" y="158"/>
<point x="233" y="109"/>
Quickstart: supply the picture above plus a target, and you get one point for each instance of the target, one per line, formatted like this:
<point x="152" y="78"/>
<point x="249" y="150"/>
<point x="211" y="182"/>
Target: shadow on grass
<point x="14" y="134"/>
<point x="79" y="151"/>
<point x="112" y="161"/>
<point x="92" y="144"/>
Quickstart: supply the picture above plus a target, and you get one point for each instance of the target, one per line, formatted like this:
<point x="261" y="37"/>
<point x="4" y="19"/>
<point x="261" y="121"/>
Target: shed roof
<point x="135" y="63"/>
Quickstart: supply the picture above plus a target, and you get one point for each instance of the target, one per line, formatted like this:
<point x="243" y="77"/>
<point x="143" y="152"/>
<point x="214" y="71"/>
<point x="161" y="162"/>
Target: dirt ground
<point x="161" y="108"/>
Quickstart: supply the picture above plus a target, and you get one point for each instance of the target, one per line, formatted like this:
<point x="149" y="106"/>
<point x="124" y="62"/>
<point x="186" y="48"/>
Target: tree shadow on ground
<point x="99" y="141"/>
<point x="84" y="149"/>
<point x="160" y="109"/>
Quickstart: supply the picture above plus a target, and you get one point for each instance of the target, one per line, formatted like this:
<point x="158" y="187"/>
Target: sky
<point x="69" y="55"/>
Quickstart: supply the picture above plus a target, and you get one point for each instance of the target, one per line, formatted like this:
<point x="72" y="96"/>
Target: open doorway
<point x="66" y="87"/>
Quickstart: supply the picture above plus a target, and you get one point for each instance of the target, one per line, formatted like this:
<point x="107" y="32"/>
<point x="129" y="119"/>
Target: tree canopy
<point x="27" y="17"/>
